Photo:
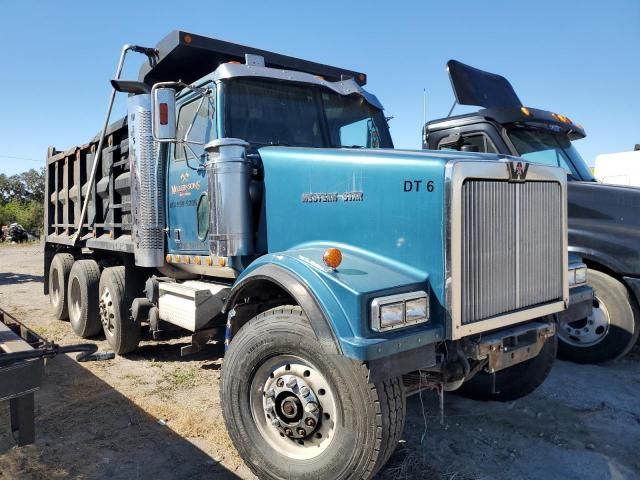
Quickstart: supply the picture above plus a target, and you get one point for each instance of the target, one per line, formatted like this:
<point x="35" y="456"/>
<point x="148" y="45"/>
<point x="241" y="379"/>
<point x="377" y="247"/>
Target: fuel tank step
<point x="191" y="304"/>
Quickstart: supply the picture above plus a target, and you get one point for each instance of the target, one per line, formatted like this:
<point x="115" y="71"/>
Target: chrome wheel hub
<point x="107" y="313"/>
<point x="587" y="331"/>
<point x="293" y="407"/>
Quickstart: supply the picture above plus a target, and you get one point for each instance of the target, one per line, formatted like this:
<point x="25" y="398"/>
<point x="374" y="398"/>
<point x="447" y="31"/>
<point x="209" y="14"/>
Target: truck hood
<point x="604" y="224"/>
<point x="388" y="203"/>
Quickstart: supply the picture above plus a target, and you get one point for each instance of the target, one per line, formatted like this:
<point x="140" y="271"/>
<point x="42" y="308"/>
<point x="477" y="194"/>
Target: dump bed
<point x="107" y="224"/>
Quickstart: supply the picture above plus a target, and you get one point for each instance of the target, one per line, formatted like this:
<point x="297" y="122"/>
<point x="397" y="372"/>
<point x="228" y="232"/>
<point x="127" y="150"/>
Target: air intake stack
<point x="229" y="172"/>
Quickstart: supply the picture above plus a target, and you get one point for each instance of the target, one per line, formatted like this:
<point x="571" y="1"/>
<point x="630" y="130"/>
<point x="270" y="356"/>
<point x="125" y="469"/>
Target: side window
<point x="203" y="216"/>
<point x="362" y="133"/>
<point x="479" y="140"/>
<point x="196" y="128"/>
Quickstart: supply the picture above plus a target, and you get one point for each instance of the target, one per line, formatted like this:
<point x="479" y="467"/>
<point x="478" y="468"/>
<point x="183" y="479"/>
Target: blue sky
<point x="579" y="58"/>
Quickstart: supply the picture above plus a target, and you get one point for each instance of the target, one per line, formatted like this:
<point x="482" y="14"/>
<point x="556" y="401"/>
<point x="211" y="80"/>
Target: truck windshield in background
<point x="273" y="113"/>
<point x="549" y="148"/>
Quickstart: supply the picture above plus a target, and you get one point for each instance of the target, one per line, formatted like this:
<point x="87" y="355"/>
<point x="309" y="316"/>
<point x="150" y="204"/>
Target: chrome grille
<point x="511" y="246"/>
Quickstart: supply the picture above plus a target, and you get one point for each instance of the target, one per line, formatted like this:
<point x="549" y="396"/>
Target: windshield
<point x="264" y="112"/>
<point x="549" y="148"/>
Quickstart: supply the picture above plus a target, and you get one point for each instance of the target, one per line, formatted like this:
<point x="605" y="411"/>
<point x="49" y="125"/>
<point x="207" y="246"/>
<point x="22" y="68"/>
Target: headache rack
<point x="187" y="57"/>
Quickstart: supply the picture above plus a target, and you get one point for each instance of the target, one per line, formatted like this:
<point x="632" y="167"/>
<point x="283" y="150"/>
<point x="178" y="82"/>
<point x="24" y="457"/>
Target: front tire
<point x="120" y="330"/>
<point x="514" y="382"/>
<point x="294" y="411"/>
<point x="610" y="332"/>
<point x="84" y="284"/>
<point x="58" y="282"/>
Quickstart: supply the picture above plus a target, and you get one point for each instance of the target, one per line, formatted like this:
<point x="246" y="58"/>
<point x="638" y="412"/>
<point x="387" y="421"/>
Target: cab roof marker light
<point x="525" y="111"/>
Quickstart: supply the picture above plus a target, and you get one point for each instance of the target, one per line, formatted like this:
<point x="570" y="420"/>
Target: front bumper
<point x="506" y="348"/>
<point x="580" y="304"/>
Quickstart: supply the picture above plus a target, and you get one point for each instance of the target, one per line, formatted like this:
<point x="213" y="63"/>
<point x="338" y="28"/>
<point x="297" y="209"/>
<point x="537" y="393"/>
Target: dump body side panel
<point x="107" y="224"/>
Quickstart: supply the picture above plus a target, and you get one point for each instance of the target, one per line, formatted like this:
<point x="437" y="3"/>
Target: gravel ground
<point x="156" y="415"/>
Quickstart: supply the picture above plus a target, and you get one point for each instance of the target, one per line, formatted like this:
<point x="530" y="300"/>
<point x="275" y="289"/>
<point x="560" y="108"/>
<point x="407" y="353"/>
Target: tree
<point x="24" y="187"/>
<point x="21" y="199"/>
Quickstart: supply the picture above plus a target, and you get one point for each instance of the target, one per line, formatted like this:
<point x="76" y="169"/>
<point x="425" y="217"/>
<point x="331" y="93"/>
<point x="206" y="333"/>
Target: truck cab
<point x="603" y="219"/>
<point x="256" y="199"/>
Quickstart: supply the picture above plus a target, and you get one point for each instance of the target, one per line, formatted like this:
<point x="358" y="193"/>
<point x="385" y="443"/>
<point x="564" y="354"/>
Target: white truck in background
<point x="619" y="168"/>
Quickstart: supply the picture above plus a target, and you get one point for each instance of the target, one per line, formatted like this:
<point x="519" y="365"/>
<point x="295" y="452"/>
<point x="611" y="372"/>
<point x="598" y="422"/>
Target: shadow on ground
<point x="87" y="429"/>
<point x="7" y="278"/>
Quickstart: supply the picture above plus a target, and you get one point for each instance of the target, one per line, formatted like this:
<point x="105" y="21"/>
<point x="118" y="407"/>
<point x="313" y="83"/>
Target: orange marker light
<point x="525" y="111"/>
<point x="332" y="258"/>
<point x="186" y="259"/>
<point x="222" y="261"/>
<point x="187" y="38"/>
<point x="209" y="261"/>
<point x="168" y="258"/>
<point x="197" y="260"/>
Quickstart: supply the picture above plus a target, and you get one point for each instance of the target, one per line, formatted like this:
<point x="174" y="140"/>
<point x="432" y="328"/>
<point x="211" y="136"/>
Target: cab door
<point x="187" y="196"/>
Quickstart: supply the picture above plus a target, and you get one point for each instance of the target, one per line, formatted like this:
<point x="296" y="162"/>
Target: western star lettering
<point x="332" y="197"/>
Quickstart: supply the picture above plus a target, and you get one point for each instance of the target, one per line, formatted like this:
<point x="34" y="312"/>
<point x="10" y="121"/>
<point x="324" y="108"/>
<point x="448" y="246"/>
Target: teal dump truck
<point x="255" y="199"/>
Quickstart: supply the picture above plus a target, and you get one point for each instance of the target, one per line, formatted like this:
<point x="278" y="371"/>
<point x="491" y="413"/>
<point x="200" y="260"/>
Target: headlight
<point x="396" y="311"/>
<point x="577" y="274"/>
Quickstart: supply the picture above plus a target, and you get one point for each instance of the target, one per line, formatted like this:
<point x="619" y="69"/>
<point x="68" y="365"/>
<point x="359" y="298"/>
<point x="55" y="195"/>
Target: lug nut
<point x="288" y="432"/>
<point x="310" y="422"/>
<point x="304" y="391"/>
<point x="302" y="431"/>
<point x="291" y="383"/>
<point x="275" y="422"/>
<point x="280" y="382"/>
<point x="311" y="407"/>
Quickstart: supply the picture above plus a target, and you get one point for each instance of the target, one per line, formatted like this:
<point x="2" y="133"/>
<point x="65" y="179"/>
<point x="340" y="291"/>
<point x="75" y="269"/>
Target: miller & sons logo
<point x="184" y="189"/>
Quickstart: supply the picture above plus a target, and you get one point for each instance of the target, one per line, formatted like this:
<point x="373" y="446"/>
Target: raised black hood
<point x="604" y="225"/>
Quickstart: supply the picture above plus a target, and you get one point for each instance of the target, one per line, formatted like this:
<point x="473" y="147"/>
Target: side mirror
<point x="469" y="148"/>
<point x="163" y="111"/>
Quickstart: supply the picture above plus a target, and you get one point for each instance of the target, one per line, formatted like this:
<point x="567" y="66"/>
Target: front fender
<point x="338" y="302"/>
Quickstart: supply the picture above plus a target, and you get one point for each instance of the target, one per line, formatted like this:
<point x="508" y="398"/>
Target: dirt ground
<point x="155" y="415"/>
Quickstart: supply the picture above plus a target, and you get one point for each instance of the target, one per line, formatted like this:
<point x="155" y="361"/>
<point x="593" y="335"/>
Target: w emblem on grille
<point x="518" y="171"/>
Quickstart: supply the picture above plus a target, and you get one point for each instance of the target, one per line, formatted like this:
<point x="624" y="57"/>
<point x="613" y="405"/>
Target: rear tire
<point x="58" y="281"/>
<point x="610" y="332"/>
<point x="358" y="424"/>
<point x="121" y="331"/>
<point x="82" y="294"/>
<point x="514" y="382"/>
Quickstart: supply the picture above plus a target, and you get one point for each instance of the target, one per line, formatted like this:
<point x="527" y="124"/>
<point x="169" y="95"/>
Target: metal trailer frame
<point x="19" y="380"/>
<point x="22" y="354"/>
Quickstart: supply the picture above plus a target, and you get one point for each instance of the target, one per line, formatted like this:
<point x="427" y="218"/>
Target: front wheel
<point x="610" y="332"/>
<point x="513" y="382"/>
<point x="294" y="411"/>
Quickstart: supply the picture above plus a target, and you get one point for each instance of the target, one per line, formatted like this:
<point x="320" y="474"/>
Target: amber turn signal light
<point x="332" y="258"/>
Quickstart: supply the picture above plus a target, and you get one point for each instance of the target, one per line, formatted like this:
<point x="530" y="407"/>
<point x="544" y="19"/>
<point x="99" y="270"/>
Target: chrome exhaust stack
<point x="146" y="184"/>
